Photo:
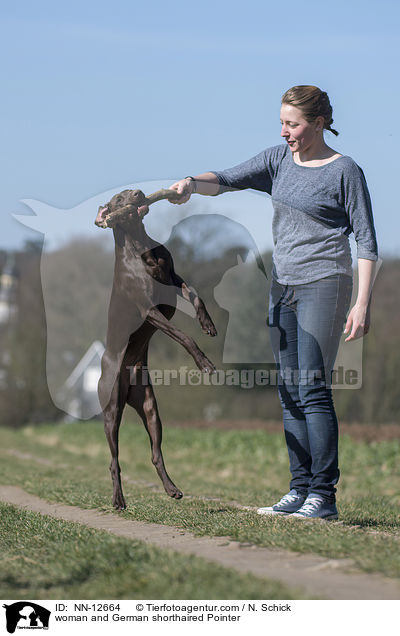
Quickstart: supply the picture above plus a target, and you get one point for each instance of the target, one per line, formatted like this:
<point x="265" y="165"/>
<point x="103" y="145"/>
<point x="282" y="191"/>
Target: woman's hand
<point x="185" y="187"/>
<point x="358" y="322"/>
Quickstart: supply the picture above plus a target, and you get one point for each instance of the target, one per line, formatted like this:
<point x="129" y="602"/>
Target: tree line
<point x="68" y="290"/>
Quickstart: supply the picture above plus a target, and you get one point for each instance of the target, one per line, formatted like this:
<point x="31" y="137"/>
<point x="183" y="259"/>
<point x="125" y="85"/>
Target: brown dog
<point x="143" y="299"/>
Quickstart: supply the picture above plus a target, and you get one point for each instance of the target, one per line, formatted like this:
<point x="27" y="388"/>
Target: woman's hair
<point x="312" y="102"/>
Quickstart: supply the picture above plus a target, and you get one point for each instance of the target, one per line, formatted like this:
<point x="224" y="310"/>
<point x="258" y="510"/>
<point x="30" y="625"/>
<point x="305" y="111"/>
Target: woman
<point x="319" y="197"/>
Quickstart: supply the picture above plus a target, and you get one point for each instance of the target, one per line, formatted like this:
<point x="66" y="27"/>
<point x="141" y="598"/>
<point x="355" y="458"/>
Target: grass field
<point x="47" y="558"/>
<point x="69" y="463"/>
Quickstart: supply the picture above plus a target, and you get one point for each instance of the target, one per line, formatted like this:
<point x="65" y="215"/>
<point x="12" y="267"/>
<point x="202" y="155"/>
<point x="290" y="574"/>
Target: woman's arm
<point x="358" y="320"/>
<point x="256" y="172"/>
<point x="206" y="184"/>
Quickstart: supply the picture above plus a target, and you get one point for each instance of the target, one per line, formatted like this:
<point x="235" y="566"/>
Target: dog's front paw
<point x="205" y="365"/>
<point x="206" y="323"/>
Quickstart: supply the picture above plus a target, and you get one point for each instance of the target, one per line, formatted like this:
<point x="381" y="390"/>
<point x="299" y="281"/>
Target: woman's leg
<point x="282" y="321"/>
<point x="321" y="313"/>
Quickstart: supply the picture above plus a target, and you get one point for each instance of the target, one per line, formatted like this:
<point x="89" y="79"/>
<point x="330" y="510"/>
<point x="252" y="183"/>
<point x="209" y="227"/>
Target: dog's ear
<point x="143" y="210"/>
<point x="101" y="214"/>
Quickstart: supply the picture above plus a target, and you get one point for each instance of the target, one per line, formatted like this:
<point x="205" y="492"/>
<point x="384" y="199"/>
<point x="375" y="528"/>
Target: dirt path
<point x="318" y="576"/>
<point x="360" y="432"/>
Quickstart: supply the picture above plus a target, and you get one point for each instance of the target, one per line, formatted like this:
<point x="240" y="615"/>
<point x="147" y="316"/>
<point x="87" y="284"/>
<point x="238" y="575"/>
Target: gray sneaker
<point x="291" y="502"/>
<point x="316" y="507"/>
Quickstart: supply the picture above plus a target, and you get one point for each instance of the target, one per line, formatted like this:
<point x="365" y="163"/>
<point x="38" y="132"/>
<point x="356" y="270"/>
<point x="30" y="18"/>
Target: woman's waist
<point x="291" y="273"/>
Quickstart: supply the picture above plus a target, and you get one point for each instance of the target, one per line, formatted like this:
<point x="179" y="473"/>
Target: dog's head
<point x="126" y="205"/>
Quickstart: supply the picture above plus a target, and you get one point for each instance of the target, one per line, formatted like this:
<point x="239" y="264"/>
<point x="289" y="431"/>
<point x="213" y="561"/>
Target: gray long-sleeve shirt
<point x="315" y="210"/>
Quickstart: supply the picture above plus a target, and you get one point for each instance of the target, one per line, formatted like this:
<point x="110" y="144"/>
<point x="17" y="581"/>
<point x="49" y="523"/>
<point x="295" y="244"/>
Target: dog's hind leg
<point x="141" y="397"/>
<point x="112" y="419"/>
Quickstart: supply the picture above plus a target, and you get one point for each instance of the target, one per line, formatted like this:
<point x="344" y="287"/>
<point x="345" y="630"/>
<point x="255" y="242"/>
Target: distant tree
<point x="24" y="396"/>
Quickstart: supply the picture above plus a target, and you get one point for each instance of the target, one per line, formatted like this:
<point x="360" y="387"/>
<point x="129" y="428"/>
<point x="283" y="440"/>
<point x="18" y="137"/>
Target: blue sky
<point x="99" y="95"/>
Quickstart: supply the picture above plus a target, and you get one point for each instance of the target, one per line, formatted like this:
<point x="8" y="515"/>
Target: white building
<point x="8" y="290"/>
<point x="79" y="392"/>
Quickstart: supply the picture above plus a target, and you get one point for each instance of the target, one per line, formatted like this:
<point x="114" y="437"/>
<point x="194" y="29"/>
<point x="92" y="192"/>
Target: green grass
<point x="249" y="467"/>
<point x="46" y="558"/>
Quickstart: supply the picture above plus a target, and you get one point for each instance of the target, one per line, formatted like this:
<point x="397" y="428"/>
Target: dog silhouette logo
<point x="26" y="615"/>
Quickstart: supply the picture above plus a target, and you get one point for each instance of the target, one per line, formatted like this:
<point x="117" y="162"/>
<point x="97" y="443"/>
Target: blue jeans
<point x="306" y="322"/>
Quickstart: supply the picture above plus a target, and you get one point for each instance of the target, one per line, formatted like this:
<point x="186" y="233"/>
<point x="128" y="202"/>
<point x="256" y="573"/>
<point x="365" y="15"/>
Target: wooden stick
<point x="122" y="213"/>
<point x="162" y="194"/>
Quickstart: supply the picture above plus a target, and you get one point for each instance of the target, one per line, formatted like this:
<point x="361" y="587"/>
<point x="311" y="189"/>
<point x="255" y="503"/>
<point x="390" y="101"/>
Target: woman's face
<point x="297" y="131"/>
